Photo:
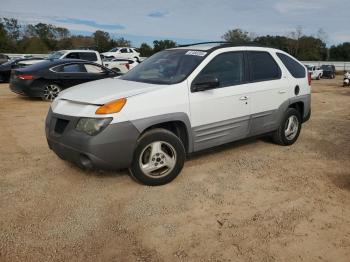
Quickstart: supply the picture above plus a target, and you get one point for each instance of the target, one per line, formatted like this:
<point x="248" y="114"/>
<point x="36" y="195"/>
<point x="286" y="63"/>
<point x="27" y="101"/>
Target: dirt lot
<point x="250" y="201"/>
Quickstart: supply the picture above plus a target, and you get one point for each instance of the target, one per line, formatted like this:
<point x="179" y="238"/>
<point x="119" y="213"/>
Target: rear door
<point x="72" y="74"/>
<point x="270" y="89"/>
<point x="221" y="115"/>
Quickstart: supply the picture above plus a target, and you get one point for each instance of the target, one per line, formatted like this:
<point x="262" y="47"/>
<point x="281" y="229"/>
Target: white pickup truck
<point x="316" y="72"/>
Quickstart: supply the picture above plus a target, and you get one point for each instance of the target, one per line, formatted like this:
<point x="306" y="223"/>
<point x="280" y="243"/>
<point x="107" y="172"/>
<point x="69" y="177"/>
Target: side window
<point x="123" y="50"/>
<point x="94" y="69"/>
<point x="73" y="68"/>
<point x="294" y="68"/>
<point x="227" y="67"/>
<point x="88" y="56"/>
<point x="263" y="66"/>
<point x="73" y="55"/>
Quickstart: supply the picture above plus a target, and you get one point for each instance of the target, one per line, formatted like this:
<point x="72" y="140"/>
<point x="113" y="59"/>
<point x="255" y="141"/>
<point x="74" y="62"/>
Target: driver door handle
<point x="282" y="92"/>
<point x="243" y="98"/>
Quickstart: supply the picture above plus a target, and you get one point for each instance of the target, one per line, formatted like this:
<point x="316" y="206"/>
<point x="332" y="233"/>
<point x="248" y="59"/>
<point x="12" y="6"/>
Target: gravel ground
<point x="249" y="201"/>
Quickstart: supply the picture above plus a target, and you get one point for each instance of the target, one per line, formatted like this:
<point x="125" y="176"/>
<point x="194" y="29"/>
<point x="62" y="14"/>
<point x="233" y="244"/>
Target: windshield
<point x="114" y="49"/>
<point x="166" y="67"/>
<point x="55" y="55"/>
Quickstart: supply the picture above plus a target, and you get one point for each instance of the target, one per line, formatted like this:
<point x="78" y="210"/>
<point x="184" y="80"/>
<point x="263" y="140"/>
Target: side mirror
<point x="205" y="82"/>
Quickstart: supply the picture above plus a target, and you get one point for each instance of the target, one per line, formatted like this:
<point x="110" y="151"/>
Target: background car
<point x="122" y="52"/>
<point x="48" y="78"/>
<point x="5" y="68"/>
<point x="121" y="66"/>
<point x="3" y="58"/>
<point x="88" y="55"/>
<point x="328" y="71"/>
<point x="316" y="72"/>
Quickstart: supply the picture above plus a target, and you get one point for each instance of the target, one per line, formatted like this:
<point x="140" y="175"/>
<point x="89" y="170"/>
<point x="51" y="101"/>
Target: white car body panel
<point x="206" y="110"/>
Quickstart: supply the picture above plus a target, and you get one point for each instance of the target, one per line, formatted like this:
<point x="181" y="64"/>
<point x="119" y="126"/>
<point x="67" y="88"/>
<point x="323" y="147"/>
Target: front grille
<point x="61" y="125"/>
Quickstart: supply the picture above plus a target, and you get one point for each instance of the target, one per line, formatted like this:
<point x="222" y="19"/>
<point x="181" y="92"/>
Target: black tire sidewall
<point x="289" y="113"/>
<point x="146" y="139"/>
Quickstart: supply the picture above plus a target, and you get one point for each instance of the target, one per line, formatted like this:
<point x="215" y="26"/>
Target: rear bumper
<point x="26" y="88"/>
<point x="112" y="149"/>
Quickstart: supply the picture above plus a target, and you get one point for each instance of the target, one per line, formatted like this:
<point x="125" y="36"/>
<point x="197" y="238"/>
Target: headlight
<point x="92" y="126"/>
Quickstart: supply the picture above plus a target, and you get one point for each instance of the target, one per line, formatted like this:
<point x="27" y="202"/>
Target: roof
<point x="212" y="46"/>
<point x="50" y="63"/>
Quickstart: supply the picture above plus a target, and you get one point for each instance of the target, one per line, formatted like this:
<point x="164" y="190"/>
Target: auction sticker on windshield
<point x="196" y="53"/>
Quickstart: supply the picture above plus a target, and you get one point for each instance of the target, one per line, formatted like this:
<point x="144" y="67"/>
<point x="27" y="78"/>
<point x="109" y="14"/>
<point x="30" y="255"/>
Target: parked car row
<point x="46" y="78"/>
<point x="326" y="71"/>
<point x="177" y="102"/>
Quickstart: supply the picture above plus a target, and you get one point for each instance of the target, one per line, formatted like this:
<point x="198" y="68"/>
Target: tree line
<point x="43" y="38"/>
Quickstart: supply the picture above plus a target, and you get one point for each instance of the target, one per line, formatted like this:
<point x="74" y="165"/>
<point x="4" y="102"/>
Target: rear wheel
<point x="289" y="129"/>
<point x="159" y="157"/>
<point x="51" y="91"/>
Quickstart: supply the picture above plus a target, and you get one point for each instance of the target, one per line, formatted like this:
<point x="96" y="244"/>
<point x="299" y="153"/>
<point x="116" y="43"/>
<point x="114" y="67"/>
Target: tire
<point x="51" y="91"/>
<point x="281" y="135"/>
<point x="163" y="164"/>
<point x="115" y="69"/>
<point x="318" y="77"/>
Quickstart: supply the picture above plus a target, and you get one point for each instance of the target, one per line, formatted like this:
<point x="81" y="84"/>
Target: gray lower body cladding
<point x="111" y="149"/>
<point x="219" y="133"/>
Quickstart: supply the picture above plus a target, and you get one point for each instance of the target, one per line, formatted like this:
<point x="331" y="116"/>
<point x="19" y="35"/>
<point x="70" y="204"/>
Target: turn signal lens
<point x="112" y="107"/>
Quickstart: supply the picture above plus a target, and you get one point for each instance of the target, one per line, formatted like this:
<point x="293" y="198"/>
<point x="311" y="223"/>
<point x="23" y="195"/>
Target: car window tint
<point x="227" y="67"/>
<point x="73" y="55"/>
<point x="294" y="68"/>
<point x="124" y="50"/>
<point x="88" y="56"/>
<point x="73" y="68"/>
<point x="263" y="66"/>
<point x="93" y="69"/>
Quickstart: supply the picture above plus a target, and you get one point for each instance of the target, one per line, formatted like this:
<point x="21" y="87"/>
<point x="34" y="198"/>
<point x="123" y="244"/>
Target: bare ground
<point x="250" y="201"/>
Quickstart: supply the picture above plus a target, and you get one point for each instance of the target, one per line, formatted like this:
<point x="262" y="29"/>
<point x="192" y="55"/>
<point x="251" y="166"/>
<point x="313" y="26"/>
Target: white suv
<point x="122" y="52"/>
<point x="177" y="102"/>
<point x="88" y="55"/>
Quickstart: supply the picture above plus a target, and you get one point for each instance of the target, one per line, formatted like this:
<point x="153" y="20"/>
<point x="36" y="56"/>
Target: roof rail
<point x="203" y="43"/>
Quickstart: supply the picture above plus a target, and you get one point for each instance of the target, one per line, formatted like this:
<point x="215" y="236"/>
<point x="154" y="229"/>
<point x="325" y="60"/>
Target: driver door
<point x="221" y="115"/>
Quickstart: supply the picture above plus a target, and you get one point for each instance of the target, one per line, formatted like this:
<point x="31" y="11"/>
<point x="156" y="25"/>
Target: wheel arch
<point x="177" y="123"/>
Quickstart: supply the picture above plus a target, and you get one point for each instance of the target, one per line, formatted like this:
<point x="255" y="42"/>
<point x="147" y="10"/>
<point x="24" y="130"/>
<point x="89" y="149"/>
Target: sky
<point x="186" y="21"/>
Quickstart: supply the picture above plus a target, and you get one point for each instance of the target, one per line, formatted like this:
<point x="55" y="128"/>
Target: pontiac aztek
<point x="177" y="102"/>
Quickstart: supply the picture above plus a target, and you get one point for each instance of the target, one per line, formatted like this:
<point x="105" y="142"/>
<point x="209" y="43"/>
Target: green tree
<point x="159" y="45"/>
<point x="340" y="52"/>
<point x="102" y="40"/>
<point x="145" y="50"/>
<point x="121" y="42"/>
<point x="237" y="36"/>
<point x="5" y="44"/>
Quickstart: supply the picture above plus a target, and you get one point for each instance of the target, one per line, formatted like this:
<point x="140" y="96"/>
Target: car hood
<point x="103" y="91"/>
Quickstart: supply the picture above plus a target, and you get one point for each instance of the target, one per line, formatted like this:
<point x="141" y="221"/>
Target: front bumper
<point x="112" y="149"/>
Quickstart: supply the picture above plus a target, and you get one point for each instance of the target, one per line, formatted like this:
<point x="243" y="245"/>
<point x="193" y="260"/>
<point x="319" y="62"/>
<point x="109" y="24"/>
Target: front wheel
<point x="51" y="91"/>
<point x="289" y="129"/>
<point x="158" y="158"/>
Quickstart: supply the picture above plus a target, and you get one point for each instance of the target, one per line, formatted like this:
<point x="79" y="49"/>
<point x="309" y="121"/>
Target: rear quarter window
<point x="262" y="66"/>
<point x="294" y="68"/>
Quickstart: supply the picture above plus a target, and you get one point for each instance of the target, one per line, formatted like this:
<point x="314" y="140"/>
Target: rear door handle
<point x="282" y="91"/>
<point x="243" y="98"/>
